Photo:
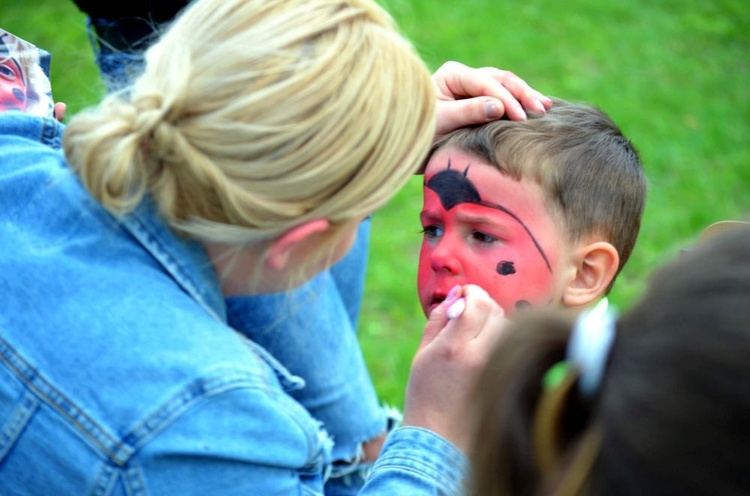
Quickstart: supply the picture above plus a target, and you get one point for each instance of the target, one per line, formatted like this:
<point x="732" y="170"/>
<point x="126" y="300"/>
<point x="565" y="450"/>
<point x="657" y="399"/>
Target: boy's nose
<point x="443" y="258"/>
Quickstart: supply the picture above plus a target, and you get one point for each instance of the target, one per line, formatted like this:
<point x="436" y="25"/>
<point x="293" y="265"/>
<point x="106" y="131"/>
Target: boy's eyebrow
<point x="481" y="219"/>
<point x="500" y="218"/>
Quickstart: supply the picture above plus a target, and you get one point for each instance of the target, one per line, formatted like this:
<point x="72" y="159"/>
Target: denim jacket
<point x="119" y="373"/>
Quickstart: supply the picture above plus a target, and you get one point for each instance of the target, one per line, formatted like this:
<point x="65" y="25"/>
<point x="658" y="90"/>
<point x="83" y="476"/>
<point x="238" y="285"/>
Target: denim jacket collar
<point x="185" y="260"/>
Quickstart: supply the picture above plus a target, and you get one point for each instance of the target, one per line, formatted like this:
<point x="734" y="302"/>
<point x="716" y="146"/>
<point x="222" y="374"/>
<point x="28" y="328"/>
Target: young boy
<point x="537" y="212"/>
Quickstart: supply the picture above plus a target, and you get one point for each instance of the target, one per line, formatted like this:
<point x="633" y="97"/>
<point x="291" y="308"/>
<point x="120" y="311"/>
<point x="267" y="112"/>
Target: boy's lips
<point x="437" y="299"/>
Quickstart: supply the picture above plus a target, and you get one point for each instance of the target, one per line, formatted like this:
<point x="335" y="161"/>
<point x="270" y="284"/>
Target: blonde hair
<point x="253" y="116"/>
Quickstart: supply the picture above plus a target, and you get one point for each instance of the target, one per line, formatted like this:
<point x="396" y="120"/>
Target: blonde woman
<point x="338" y="390"/>
<point x="240" y="162"/>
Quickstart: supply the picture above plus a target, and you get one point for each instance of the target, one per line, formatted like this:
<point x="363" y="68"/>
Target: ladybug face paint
<point x="12" y="86"/>
<point x="24" y="77"/>
<point x="484" y="228"/>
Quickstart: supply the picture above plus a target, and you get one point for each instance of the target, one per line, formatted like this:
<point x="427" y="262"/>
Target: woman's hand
<point x="472" y="96"/>
<point x="450" y="358"/>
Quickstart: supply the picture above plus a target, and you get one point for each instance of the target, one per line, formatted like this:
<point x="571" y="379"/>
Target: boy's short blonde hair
<point x="590" y="173"/>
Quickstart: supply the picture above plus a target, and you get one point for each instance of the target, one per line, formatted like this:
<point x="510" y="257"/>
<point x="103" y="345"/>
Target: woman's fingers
<point x="469" y="95"/>
<point x="529" y="98"/>
<point x="452" y="354"/>
<point x="480" y="315"/>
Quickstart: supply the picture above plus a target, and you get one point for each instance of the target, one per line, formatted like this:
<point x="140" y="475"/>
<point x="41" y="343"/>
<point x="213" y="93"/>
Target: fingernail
<point x="521" y="112"/>
<point x="539" y="107"/>
<point x="452" y="293"/>
<point x="492" y="110"/>
<point x="456" y="309"/>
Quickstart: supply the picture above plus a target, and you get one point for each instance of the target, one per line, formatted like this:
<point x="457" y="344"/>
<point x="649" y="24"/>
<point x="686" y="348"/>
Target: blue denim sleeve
<point x="417" y="462"/>
<point x="414" y="462"/>
<point x="217" y="448"/>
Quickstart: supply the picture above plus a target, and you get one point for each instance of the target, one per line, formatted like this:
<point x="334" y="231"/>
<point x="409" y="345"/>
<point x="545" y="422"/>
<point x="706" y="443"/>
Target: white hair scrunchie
<point x="590" y="344"/>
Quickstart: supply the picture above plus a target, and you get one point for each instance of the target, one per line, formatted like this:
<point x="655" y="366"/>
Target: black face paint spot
<point x="506" y="268"/>
<point x="20" y="95"/>
<point x="453" y="188"/>
<point x="522" y="305"/>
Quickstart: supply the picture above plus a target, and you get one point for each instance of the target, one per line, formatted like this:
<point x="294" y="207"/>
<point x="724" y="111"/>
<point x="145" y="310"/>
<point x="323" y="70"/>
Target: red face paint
<point x="12" y="86"/>
<point x="484" y="228"/>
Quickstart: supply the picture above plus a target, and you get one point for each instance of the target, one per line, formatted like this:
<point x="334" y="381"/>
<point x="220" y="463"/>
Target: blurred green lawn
<point x="676" y="79"/>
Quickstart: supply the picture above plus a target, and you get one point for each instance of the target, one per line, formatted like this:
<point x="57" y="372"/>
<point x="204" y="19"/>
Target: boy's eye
<point x="483" y="238"/>
<point x="432" y="232"/>
<point x="7" y="73"/>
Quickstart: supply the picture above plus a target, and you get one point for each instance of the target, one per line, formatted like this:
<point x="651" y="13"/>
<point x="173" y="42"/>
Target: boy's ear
<point x="280" y="249"/>
<point x="595" y="266"/>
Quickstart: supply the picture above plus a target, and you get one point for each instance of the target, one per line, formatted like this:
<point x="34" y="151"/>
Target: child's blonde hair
<point x="253" y="116"/>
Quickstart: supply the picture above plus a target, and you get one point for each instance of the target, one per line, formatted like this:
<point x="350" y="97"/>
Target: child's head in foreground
<point x="537" y="212"/>
<point x="667" y="413"/>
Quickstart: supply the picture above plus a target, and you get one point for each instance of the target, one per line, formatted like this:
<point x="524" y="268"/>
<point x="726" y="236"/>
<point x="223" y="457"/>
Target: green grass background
<point x="674" y="74"/>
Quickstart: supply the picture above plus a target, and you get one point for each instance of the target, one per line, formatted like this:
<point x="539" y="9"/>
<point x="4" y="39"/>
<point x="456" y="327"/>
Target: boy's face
<point x="484" y="228"/>
<point x="12" y="87"/>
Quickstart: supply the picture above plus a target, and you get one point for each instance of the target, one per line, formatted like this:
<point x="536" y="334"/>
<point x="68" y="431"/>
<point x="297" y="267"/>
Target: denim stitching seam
<point x="23" y="412"/>
<point x="42" y="389"/>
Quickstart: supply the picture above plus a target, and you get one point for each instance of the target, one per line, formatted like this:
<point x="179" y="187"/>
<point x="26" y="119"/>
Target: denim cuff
<point x="426" y="459"/>
<point x="347" y="477"/>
